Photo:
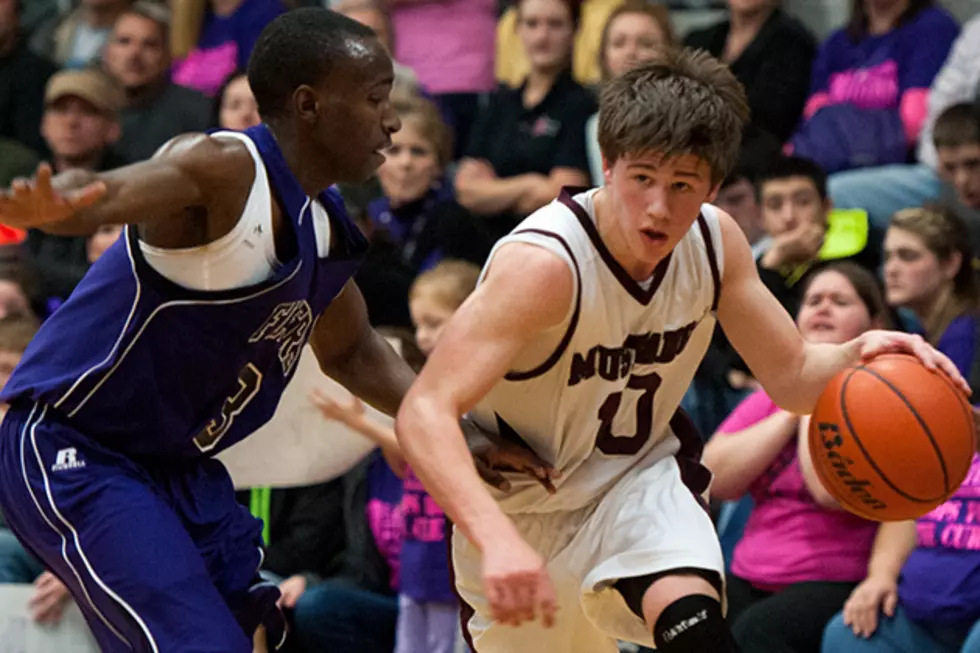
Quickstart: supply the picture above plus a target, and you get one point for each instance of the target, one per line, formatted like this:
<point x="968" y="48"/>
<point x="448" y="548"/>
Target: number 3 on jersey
<point x="628" y="445"/>
<point x="249" y="381"/>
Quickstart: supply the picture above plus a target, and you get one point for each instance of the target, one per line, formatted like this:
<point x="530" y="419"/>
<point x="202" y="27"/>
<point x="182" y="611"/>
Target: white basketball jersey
<point x="600" y="401"/>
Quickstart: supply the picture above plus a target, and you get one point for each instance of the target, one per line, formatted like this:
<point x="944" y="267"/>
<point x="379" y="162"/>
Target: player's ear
<point x="306" y="103"/>
<point x="713" y="193"/>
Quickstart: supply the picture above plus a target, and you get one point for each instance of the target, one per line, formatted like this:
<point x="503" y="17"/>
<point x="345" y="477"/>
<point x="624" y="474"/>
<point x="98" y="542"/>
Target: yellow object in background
<point x="511" y="65"/>
<point x="847" y="234"/>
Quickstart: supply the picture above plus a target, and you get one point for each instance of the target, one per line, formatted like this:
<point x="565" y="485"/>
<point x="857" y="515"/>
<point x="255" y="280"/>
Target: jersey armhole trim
<point x="566" y="339"/>
<point x="709" y="250"/>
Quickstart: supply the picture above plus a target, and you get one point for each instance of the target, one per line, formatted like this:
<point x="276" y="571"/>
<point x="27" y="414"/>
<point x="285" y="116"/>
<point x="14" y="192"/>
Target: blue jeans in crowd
<point x="16" y="564"/>
<point x="341" y="618"/>
<point x="883" y="191"/>
<point x="899" y="634"/>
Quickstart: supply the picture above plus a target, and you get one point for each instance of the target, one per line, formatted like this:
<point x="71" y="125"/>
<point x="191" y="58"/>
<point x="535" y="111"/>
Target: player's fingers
<point x="547" y="601"/>
<point x="86" y="196"/>
<point x="42" y="179"/>
<point x="491" y="476"/>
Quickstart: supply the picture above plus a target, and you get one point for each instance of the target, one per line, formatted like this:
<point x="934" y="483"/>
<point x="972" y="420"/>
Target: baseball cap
<point x="90" y="84"/>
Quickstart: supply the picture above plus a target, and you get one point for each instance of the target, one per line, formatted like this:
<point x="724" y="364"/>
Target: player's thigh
<point x="104" y="529"/>
<point x="792" y="619"/>
<point x="572" y="632"/>
<point x="647" y="527"/>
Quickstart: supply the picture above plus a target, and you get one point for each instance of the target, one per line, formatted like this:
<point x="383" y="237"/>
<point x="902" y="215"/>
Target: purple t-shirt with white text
<point x="940" y="581"/>
<point x="425" y="554"/>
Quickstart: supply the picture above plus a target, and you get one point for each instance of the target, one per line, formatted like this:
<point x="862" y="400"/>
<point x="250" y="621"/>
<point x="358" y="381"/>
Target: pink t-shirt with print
<point x="788" y="537"/>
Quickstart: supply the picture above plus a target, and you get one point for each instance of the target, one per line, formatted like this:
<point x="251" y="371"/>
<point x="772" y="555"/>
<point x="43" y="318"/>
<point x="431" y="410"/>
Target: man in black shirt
<point x="23" y="76"/>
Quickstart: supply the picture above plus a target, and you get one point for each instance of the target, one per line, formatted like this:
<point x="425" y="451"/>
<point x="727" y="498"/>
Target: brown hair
<point x="857" y="27"/>
<point x="430" y="125"/>
<point x="16" y="331"/>
<point x="866" y="286"/>
<point x="657" y="12"/>
<point x="681" y="102"/>
<point x="945" y="235"/>
<point x="450" y="282"/>
<point x="958" y="125"/>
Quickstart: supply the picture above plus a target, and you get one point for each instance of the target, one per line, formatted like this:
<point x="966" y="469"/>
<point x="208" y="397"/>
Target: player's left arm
<point x="353" y="354"/>
<point x="793" y="371"/>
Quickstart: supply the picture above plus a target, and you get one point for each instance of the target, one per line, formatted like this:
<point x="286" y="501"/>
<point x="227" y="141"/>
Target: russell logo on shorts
<point x="67" y="459"/>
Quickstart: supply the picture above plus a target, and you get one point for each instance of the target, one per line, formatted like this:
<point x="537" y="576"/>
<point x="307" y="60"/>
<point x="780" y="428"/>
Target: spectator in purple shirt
<point x="870" y="84"/>
<point x="228" y="35"/>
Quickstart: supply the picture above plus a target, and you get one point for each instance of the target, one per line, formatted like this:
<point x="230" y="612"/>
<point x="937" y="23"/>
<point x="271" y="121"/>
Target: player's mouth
<point x="654" y="237"/>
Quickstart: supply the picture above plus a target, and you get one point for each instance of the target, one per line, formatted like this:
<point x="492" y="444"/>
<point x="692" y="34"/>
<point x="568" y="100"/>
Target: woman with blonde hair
<point x="634" y="33"/>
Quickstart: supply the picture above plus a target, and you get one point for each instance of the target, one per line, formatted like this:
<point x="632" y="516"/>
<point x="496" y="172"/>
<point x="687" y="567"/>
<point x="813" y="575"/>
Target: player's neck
<point x="612" y="236"/>
<point x="312" y="173"/>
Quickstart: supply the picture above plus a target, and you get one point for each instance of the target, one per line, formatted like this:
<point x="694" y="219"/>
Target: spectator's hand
<point x="350" y="414"/>
<point x="493" y="454"/>
<point x="34" y="203"/>
<point x="291" y="589"/>
<point x="49" y="600"/>
<point x="794" y="247"/>
<point x="517" y="583"/>
<point x="876" y="343"/>
<point x="862" y="607"/>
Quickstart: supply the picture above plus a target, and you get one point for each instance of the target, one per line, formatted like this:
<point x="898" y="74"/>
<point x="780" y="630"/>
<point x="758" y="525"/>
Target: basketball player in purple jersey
<point x="182" y="338"/>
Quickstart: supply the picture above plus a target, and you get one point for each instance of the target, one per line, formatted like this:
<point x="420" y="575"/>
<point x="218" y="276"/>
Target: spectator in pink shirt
<point x="801" y="555"/>
<point x="450" y="46"/>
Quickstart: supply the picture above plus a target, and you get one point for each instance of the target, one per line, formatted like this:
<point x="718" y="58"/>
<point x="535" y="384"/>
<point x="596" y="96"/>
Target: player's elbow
<point x="417" y="415"/>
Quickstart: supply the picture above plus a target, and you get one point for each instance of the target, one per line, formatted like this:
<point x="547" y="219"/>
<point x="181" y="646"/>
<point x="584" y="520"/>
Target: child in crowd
<point x="427" y="619"/>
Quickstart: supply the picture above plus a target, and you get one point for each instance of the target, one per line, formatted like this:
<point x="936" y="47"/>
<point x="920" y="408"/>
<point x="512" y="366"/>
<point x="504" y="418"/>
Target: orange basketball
<point x="891" y="440"/>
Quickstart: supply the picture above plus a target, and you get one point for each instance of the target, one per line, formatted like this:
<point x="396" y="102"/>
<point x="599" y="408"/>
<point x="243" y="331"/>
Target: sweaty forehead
<point x="364" y="63"/>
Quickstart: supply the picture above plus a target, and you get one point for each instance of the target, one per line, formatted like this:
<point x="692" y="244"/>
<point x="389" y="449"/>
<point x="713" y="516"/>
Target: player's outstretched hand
<point x="872" y="596"/>
<point x="35" y="202"/>
<point x="876" y="343"/>
<point x="517" y="583"/>
<point x="493" y="454"/>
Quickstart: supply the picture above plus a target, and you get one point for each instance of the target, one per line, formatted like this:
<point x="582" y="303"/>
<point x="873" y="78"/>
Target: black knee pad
<point x="693" y="624"/>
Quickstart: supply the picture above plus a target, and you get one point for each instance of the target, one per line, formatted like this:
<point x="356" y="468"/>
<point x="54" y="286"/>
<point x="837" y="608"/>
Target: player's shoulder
<point x="210" y="155"/>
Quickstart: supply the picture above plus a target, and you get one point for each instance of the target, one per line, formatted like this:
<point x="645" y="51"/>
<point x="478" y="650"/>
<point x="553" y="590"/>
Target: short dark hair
<point x="299" y="47"/>
<point x="785" y="167"/>
<point x="958" y="125"/>
<point x="759" y="148"/>
<point x="681" y="102"/>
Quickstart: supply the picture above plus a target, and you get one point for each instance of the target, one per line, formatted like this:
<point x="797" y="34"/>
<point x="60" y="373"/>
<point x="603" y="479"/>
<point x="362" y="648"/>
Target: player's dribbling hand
<point x="517" y="583"/>
<point x="34" y="203"/>
<point x="871" y="596"/>
<point x="876" y="343"/>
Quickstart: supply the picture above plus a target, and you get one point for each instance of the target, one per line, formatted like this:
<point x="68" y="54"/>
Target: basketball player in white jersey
<point x="586" y="329"/>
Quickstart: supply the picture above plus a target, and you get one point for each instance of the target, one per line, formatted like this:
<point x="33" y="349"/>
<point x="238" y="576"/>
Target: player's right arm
<point x="527" y="290"/>
<point x="183" y="175"/>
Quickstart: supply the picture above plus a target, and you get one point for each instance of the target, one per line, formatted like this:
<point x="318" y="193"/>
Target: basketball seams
<point x="864" y="451"/>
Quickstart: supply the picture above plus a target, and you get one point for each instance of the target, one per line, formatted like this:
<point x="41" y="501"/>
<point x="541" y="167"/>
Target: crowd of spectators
<point x="858" y="187"/>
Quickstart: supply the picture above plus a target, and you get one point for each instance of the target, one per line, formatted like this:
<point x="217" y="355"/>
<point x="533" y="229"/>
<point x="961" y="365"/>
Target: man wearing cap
<point x="80" y="125"/>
